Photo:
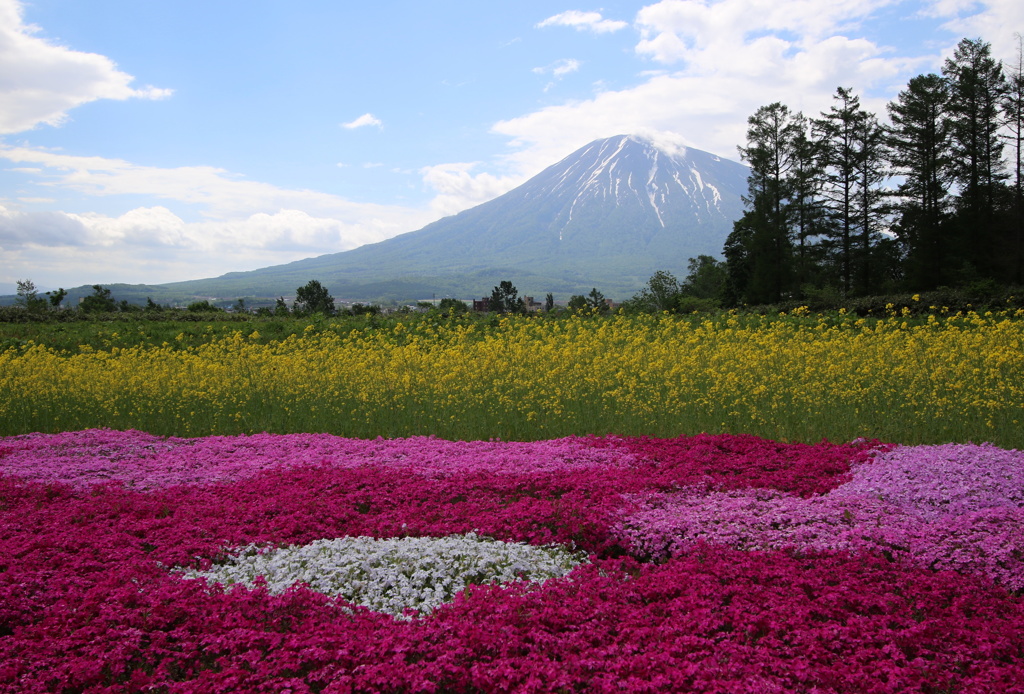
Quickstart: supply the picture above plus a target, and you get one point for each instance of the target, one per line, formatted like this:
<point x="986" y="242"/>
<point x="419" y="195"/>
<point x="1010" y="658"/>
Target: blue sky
<point x="163" y="141"/>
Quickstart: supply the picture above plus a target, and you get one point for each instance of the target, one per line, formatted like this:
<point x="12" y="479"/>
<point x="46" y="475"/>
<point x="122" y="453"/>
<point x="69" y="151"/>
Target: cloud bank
<point x="715" y="63"/>
<point x="253" y="224"/>
<point x="41" y="81"/>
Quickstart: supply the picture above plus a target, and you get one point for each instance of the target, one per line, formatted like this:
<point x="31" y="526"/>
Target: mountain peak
<point x="608" y="215"/>
<point x="655" y="175"/>
<point x="669" y="144"/>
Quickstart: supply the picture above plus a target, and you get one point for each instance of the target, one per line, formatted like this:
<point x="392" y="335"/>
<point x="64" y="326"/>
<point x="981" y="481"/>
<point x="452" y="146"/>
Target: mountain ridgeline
<point x="608" y="216"/>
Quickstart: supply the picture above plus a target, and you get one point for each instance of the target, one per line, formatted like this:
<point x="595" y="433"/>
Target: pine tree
<point x="505" y="299"/>
<point x="1012" y="104"/>
<point x="870" y="204"/>
<point x="837" y="131"/>
<point x="597" y="302"/>
<point x="772" y="134"/>
<point x="738" y="261"/>
<point x="976" y="85"/>
<point x="919" y="152"/>
<point x="807" y="219"/>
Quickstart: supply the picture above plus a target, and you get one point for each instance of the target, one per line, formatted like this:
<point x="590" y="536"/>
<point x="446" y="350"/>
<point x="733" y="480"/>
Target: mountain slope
<point x="606" y="216"/>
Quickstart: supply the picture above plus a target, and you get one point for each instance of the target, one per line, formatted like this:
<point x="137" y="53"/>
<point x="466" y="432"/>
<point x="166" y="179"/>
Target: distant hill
<point x="607" y="216"/>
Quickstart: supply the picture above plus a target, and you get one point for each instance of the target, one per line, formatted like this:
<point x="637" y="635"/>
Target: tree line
<point x="846" y="204"/>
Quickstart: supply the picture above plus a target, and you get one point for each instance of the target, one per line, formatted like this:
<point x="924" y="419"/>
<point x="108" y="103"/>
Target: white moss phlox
<point x="395" y="574"/>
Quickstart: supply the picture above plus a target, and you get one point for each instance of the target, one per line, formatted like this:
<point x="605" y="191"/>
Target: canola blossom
<point x="715" y="563"/>
<point x="795" y="377"/>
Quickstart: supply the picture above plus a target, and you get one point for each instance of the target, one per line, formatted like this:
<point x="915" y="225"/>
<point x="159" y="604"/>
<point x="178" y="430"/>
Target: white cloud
<point x="153" y="245"/>
<point x="244" y="224"/>
<point x="40" y="81"/>
<point x="694" y="30"/>
<point x="583" y="21"/>
<point x="219" y="193"/>
<point x="997" y="21"/>
<point x="559" y="68"/>
<point x="367" y="119"/>
<point x="723" y="60"/>
<point x="292" y="231"/>
<point x="738" y="31"/>
<point x="947" y="8"/>
<point x="20" y="229"/>
<point x="457" y="189"/>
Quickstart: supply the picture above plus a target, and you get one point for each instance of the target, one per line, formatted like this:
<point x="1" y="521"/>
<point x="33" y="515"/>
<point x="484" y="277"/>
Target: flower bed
<point x="716" y="564"/>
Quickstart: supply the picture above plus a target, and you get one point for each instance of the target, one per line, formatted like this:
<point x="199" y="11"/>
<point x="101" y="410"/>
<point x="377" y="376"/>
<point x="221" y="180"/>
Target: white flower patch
<point x="395" y="574"/>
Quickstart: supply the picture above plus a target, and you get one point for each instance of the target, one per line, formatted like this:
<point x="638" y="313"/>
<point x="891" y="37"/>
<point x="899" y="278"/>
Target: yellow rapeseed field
<point x="794" y="377"/>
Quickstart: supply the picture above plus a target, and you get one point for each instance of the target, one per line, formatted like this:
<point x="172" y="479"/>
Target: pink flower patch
<point x="757" y="566"/>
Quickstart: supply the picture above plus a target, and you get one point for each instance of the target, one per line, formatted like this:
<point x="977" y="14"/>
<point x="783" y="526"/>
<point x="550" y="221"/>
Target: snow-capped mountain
<point x="667" y="189"/>
<point x="608" y="216"/>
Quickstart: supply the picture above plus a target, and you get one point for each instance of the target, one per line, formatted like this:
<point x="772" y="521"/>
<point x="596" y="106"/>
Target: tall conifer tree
<point x="837" y="131"/>
<point x="761" y="243"/>
<point x="870" y="204"/>
<point x="1012" y="104"/>
<point x="807" y="208"/>
<point x="976" y="85"/>
<point x="919" y="152"/>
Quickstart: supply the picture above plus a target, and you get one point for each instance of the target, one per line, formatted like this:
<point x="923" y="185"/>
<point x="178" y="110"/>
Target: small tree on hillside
<point x="577" y="302"/>
<point x="56" y="297"/>
<point x="203" y="306"/>
<point x="596" y="301"/>
<point x="662" y="293"/>
<point x="29" y="297"/>
<point x="452" y="306"/>
<point x="706" y="278"/>
<point x="505" y="299"/>
<point x="313" y="298"/>
<point x="100" y="301"/>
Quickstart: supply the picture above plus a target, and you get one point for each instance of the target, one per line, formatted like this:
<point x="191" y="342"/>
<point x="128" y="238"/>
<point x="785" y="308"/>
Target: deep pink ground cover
<point x="779" y="567"/>
<point x="954" y="506"/>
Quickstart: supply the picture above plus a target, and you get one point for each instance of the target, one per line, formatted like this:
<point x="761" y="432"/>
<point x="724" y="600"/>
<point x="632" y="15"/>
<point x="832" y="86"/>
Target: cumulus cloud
<point x="367" y="119"/>
<point x="292" y="231"/>
<point x="217" y="192"/>
<point x="155" y="243"/>
<point x="20" y="229"/>
<point x="720" y="61"/>
<point x="458" y="189"/>
<point x="583" y="21"/>
<point x="998" y="22"/>
<point x="243" y="224"/>
<point x="700" y="33"/>
<point x="41" y="81"/>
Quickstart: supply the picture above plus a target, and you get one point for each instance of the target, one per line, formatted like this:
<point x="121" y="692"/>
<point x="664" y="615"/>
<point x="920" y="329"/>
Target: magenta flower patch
<point x="716" y="564"/>
<point x="954" y="507"/>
